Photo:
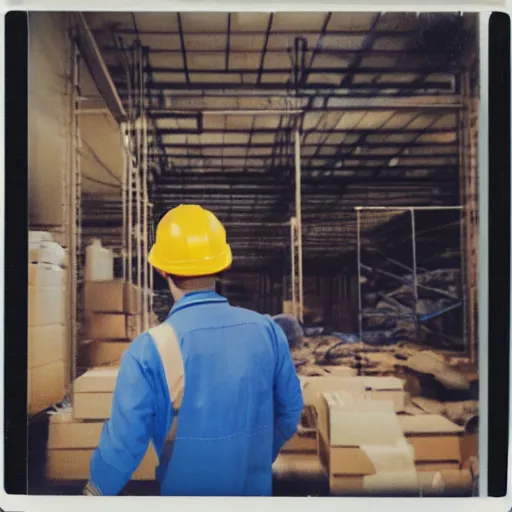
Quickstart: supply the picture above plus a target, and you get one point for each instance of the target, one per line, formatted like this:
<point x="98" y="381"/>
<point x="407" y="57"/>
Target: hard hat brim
<point x="194" y="268"/>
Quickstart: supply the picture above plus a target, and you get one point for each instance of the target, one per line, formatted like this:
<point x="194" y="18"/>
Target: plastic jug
<point x="99" y="262"/>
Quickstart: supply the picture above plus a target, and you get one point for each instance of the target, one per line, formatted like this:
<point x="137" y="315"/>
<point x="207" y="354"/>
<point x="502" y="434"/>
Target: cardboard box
<point x="112" y="297"/>
<point x="298" y="466"/>
<point x="97" y="380"/>
<point x="468" y="447"/>
<point x="359" y="438"/>
<point x="74" y="464"/>
<point x="98" y="353"/>
<point x="434" y="438"/>
<point x="437" y="466"/>
<point x="74" y="435"/>
<point x="46" y="344"/>
<point x="386" y="388"/>
<point x="106" y="326"/>
<point x="301" y="444"/>
<point x="92" y="406"/>
<point x="45" y="305"/>
<point x="46" y="386"/>
<point x="93" y="393"/>
<point x="445" y="482"/>
<point x="374" y="388"/>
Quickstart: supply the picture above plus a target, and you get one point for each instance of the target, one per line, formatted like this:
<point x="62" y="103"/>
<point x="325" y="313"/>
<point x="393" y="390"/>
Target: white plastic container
<point x="99" y="262"/>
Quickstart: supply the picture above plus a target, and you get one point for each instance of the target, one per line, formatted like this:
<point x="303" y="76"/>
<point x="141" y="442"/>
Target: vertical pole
<point x="138" y="178"/>
<point x="73" y="267"/>
<point x="359" y="297"/>
<point x="130" y="204"/>
<point x="124" y="193"/>
<point x="463" y="190"/>
<point x="145" y="310"/>
<point x="298" y="217"/>
<point x="151" y="285"/>
<point x="292" y="280"/>
<point x="414" y="276"/>
<point x="138" y="237"/>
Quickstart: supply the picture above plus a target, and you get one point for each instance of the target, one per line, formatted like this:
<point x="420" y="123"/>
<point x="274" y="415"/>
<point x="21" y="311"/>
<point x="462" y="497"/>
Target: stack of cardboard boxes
<point x="112" y="320"/>
<point x="47" y="341"/>
<point x="366" y="443"/>
<point x="74" y="435"/>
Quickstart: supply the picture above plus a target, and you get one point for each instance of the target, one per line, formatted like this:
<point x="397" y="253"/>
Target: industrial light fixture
<point x="393" y="162"/>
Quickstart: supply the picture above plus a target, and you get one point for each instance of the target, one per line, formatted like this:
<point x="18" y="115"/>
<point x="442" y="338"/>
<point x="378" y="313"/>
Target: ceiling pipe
<point x="93" y="59"/>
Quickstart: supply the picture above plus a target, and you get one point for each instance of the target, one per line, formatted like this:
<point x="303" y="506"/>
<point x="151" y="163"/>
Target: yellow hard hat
<point x="190" y="242"/>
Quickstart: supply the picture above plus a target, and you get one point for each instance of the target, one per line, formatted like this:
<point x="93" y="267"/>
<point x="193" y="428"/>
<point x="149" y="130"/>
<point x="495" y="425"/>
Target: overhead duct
<point x="99" y="72"/>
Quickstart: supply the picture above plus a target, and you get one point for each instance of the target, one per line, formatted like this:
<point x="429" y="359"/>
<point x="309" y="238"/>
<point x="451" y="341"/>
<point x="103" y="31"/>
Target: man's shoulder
<point x="250" y="315"/>
<point x="141" y="348"/>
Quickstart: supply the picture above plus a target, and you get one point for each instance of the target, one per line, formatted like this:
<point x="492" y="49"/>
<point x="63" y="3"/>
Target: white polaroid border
<point x="11" y="503"/>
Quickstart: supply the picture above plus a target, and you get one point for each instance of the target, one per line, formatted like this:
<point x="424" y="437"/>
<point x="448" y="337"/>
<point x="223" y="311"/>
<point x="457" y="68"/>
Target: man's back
<point x="226" y="422"/>
<point x="242" y="402"/>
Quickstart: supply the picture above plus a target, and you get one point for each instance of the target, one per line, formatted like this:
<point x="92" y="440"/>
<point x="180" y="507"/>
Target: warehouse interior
<point x="338" y="149"/>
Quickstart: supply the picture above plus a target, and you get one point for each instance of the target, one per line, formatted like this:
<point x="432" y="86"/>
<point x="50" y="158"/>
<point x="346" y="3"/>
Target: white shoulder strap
<point x="170" y="353"/>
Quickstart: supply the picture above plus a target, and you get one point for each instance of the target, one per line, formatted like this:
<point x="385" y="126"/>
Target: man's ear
<point x="163" y="274"/>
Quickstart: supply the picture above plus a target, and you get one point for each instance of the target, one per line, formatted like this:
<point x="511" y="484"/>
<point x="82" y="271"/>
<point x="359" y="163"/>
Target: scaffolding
<point x="410" y="267"/>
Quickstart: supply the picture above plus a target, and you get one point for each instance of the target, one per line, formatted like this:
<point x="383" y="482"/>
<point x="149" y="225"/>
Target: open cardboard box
<point x="374" y="388"/>
<point x="362" y="447"/>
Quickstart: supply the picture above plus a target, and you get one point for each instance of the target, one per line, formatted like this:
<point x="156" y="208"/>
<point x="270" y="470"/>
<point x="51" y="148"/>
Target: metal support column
<point x="74" y="199"/>
<point x="124" y="194"/>
<point x="415" y="277"/>
<point x="359" y="295"/>
<point x="130" y="205"/>
<point x="298" y="224"/>
<point x="145" y="309"/>
<point x="150" y="268"/>
<point x="293" y="280"/>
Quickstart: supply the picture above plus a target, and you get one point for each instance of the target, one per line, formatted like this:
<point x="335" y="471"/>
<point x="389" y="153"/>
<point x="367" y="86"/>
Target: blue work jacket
<point x="242" y="402"/>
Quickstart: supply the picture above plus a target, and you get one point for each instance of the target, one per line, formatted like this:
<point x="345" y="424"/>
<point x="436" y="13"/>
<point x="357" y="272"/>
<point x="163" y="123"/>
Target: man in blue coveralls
<point x="242" y="399"/>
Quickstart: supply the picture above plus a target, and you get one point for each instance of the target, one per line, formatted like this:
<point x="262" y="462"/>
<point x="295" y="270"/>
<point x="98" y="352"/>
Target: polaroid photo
<point x="268" y="256"/>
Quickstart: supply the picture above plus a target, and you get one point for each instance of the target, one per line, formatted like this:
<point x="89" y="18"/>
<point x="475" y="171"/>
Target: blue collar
<point x="196" y="298"/>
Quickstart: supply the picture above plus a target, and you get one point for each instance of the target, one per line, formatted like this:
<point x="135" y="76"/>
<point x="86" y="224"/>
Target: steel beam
<point x="445" y="85"/>
<point x="93" y="59"/>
